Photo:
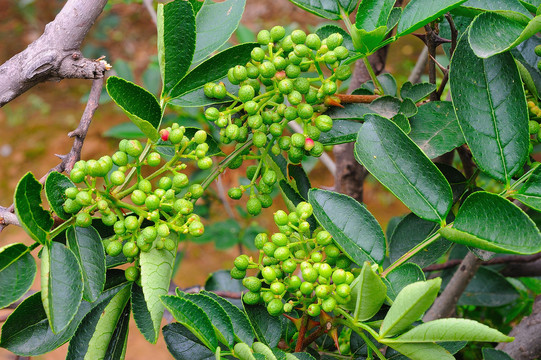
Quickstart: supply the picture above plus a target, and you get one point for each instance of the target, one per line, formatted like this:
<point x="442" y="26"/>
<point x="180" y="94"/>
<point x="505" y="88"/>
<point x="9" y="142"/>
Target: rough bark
<point x="350" y="175"/>
<point x="445" y="304"/>
<point x="526" y="345"/>
<point x="55" y="55"/>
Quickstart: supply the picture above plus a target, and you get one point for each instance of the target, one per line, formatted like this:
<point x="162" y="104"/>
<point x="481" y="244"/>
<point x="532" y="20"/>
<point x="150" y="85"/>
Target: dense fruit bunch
<point x="156" y="210"/>
<point x="324" y="280"/>
<point x="535" y="129"/>
<point x="283" y="82"/>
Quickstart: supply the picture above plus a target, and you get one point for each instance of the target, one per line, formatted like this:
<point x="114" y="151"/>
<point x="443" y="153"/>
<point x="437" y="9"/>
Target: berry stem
<point x="302" y="332"/>
<point x="373" y="75"/>
<point x="356" y="99"/>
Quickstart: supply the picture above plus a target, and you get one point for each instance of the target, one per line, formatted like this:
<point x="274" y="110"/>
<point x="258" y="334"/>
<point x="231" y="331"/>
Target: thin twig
<point x="454" y="34"/>
<point x="431" y="45"/>
<point x="419" y="67"/>
<point x="6" y="214"/>
<point x="359" y="99"/>
<point x="151" y="11"/>
<point x="467" y="160"/>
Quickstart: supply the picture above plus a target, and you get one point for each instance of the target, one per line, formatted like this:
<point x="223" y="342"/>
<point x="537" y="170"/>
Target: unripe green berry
<point x="183" y="206"/>
<point x="334" y="40"/>
<point x="83" y="220"/>
<point x="277" y="33"/>
<point x="329" y="304"/>
<point x="180" y="181"/>
<point x="257" y="54"/>
<point x="130" y="249"/>
<point x="131" y="223"/>
<point x="77" y="175"/>
<point x="200" y="136"/>
<point x="339" y="276"/>
<point x="138" y="197"/>
<point x="131" y="273"/>
<point x="306" y="288"/>
<point x="277" y="288"/>
<point x="305" y="111"/>
<point x="208" y="89"/>
<point x="268" y="274"/>
<point x="293" y="71"/>
<point x="252" y="283"/>
<point x="310" y="274"/>
<point x="149" y="234"/>
<point x="154" y="159"/>
<point x="250" y="298"/>
<point x="302" y="85"/>
<point x="83" y="198"/>
<point x="212" y="114"/>
<point x="294" y="98"/>
<point x="114" y="248"/>
<point x="120" y="158"/>
<point x="117" y="177"/>
<point x="196" y="228"/>
<point x="263" y="37"/>
<point x="259" y="139"/>
<point x="170" y="244"/>
<point x="343" y="290"/>
<point x="242" y="262"/>
<point x="537" y="50"/>
<point x="237" y="274"/>
<point x="246" y="93"/>
<point x="204" y="163"/>
<point x="152" y="202"/>
<point x="298" y="36"/>
<point x="134" y="148"/>
<point x="119" y="227"/>
<point x="313" y="41"/>
<point x="267" y="69"/>
<point x="301" y="50"/>
<point x="234" y="193"/>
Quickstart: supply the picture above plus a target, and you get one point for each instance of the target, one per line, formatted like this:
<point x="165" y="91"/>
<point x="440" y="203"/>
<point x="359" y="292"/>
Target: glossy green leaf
<point x="156" y="271"/>
<point x="401" y="277"/>
<point x="452" y="330"/>
<point x="92" y="338"/>
<point x="410" y="232"/>
<point x="26" y="332"/>
<point x="527" y="79"/>
<point x="27" y="201"/>
<point x="490" y="222"/>
<point x="17" y="272"/>
<point x="475" y="7"/>
<point x="301" y="180"/>
<point x="268" y="328"/>
<point x="126" y="130"/>
<point x="139" y="105"/>
<point x="493" y="354"/>
<point x="492" y="33"/>
<point x="491" y="110"/>
<point x="372" y="14"/>
<point x="241" y="325"/>
<point x="368" y="293"/>
<point x="366" y="42"/>
<point x="184" y="345"/>
<point x="324" y="31"/>
<point x="213" y="69"/>
<point x="416" y="92"/>
<point x="141" y="314"/>
<point x="220" y="320"/>
<point x="328" y="9"/>
<point x="420" y="12"/>
<point x="408" y="307"/>
<point x="387" y="81"/>
<point x="487" y="288"/>
<point x="212" y="34"/>
<point x="86" y="244"/>
<point x="352" y="226"/>
<point x="176" y="41"/>
<point x="193" y="317"/>
<point x="119" y="340"/>
<point x="422" y="351"/>
<point x="530" y="193"/>
<point x="221" y="280"/>
<point x="401" y="166"/>
<point x="435" y="128"/>
<point x="61" y="285"/>
<point x="525" y="54"/>
<point x="343" y="131"/>
<point x="55" y="185"/>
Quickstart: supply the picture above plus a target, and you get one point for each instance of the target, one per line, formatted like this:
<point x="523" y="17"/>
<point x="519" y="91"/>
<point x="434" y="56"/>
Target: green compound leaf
<point x="493" y="354"/>
<point x="27" y="201"/>
<point x="241" y="325"/>
<point x="27" y="332"/>
<point x="491" y="110"/>
<point x="141" y="315"/>
<point x="396" y="161"/>
<point x="93" y="337"/>
<point x="220" y="320"/>
<point x="451" y="330"/>
<point x="268" y="328"/>
<point x="372" y="14"/>
<point x="352" y="226"/>
<point x="119" y="339"/>
<point x="139" y="105"/>
<point x="368" y="293"/>
<point x="61" y="285"/>
<point x="156" y="271"/>
<point x="176" y="41"/>
<point x="87" y="246"/>
<point x="184" y="345"/>
<point x="192" y="317"/>
<point x="55" y="185"/>
<point x="213" y="69"/>
<point x="416" y="92"/>
<point x="492" y="33"/>
<point x="530" y="193"/>
<point x="435" y="128"/>
<point x="420" y="12"/>
<point x="17" y="272"/>
<point x="410" y="232"/>
<point x="401" y="277"/>
<point x="408" y="307"/>
<point x="490" y="222"/>
<point x="212" y="34"/>
<point x="422" y="351"/>
<point x="328" y="9"/>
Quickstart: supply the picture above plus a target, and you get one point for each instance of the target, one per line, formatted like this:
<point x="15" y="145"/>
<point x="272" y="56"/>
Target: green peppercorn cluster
<point x="278" y="72"/>
<point x="297" y="267"/>
<point x="167" y="204"/>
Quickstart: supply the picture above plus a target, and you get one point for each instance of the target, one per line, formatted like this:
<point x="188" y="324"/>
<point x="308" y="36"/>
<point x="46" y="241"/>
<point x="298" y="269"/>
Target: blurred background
<point x="35" y="127"/>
